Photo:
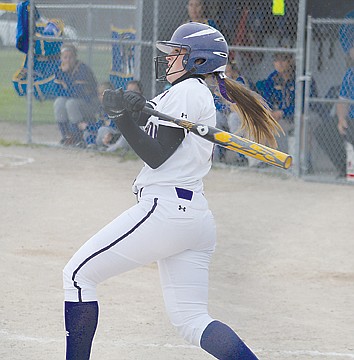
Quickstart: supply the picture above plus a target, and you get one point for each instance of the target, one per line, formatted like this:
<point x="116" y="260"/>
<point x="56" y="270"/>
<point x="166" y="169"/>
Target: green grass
<point x="6" y="143"/>
<point x="13" y="108"/>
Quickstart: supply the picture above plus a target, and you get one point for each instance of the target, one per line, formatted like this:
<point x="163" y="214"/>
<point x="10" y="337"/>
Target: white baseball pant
<point x="170" y="225"/>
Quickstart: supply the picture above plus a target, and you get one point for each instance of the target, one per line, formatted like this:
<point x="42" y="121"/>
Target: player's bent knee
<point x="77" y="287"/>
<point x="67" y="277"/>
<point x="191" y="330"/>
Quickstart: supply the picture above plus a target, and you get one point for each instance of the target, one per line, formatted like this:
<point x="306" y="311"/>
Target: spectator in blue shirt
<point x="279" y="92"/>
<point x="76" y="91"/>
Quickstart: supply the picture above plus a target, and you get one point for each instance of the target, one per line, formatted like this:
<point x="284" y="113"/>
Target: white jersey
<point x="191" y="100"/>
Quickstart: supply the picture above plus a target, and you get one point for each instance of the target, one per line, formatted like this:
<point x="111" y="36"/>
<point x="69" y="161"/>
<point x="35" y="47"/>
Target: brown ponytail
<point x="255" y="114"/>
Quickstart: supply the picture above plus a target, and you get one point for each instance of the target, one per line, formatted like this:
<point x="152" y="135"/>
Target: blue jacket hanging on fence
<point x="22" y="30"/>
<point x="122" y="70"/>
<point x="46" y="54"/>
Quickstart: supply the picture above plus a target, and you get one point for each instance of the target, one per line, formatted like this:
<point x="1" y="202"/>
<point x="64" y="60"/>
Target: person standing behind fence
<point x="196" y="13"/>
<point x="76" y="91"/>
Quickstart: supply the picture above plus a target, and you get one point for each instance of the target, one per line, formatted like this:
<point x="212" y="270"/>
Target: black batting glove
<point x="133" y="101"/>
<point x="113" y="103"/>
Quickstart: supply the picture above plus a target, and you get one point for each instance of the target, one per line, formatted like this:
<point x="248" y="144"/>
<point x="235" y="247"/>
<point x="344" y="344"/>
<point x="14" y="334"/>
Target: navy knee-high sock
<point x="81" y="320"/>
<point x="222" y="342"/>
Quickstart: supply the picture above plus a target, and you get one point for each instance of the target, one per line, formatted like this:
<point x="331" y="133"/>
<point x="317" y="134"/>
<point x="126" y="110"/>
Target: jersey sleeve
<point x="187" y="102"/>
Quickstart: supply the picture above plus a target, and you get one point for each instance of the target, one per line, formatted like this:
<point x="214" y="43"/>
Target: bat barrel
<point x="288" y="161"/>
<point x="250" y="148"/>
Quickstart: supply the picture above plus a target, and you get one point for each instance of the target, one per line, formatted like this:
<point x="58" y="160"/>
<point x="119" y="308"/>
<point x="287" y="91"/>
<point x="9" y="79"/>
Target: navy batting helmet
<point x="206" y="47"/>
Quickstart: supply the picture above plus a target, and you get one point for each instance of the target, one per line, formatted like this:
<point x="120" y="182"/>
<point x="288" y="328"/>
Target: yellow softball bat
<point x="230" y="141"/>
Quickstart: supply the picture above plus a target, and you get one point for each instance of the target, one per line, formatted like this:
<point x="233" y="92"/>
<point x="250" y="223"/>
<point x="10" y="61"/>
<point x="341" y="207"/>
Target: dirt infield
<point x="282" y="275"/>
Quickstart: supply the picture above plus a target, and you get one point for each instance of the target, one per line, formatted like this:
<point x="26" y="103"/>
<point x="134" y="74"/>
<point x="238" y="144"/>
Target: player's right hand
<point x="133" y="101"/>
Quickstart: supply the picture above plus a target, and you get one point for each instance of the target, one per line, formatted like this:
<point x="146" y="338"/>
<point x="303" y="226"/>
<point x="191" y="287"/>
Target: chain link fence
<point x="326" y="153"/>
<point x="116" y="40"/>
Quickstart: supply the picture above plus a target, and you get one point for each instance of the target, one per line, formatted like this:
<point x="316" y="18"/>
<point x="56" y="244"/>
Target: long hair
<point x="256" y="117"/>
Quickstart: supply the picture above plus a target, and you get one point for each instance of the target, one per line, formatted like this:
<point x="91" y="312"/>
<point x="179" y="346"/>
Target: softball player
<point x="171" y="222"/>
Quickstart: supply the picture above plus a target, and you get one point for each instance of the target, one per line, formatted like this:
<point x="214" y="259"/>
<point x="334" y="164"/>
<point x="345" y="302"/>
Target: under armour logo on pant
<point x="182" y="208"/>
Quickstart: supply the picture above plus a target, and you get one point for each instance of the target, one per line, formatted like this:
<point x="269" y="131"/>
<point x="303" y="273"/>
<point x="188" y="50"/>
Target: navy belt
<point x="184" y="193"/>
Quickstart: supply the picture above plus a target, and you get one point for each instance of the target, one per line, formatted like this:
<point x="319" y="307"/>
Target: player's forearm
<point x="146" y="147"/>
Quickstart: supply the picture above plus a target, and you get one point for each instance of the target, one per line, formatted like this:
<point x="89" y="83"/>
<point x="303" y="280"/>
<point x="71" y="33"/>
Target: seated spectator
<point x="76" y="90"/>
<point x="121" y="143"/>
<point x="279" y="92"/>
<point x="101" y="132"/>
<point x="196" y="13"/>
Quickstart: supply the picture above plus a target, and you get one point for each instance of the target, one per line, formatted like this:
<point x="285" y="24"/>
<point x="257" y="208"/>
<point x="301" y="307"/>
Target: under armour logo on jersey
<point x="184" y="115"/>
<point x="182" y="208"/>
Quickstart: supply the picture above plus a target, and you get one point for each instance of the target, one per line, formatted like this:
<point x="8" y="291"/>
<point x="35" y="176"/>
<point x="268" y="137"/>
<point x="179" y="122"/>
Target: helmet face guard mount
<point x="206" y="50"/>
<point x="162" y="70"/>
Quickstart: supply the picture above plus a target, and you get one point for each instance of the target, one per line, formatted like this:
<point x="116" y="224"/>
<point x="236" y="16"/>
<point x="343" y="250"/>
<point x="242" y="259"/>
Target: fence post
<point x="30" y="72"/>
<point x="137" y="51"/>
<point x="154" y="39"/>
<point x="90" y="33"/>
<point x="300" y="43"/>
<point x="306" y="166"/>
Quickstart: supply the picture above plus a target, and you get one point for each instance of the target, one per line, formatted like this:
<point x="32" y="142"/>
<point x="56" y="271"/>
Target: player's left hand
<point x="116" y="101"/>
<point x="113" y="103"/>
